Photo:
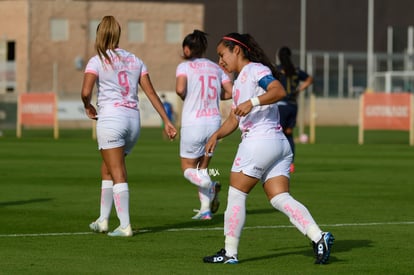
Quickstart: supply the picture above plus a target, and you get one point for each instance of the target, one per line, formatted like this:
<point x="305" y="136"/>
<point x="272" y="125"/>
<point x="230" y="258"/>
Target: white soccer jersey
<point x="262" y="121"/>
<point x="204" y="80"/>
<point x="118" y="83"/>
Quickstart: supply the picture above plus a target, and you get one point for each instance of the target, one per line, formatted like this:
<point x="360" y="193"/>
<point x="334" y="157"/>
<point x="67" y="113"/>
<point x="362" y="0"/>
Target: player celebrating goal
<point x="264" y="153"/>
<point x="117" y="74"/>
<point x="198" y="83"/>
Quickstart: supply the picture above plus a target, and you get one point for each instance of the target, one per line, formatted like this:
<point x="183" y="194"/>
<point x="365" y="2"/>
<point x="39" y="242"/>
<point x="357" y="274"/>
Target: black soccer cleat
<point x="323" y="247"/>
<point x="221" y="258"/>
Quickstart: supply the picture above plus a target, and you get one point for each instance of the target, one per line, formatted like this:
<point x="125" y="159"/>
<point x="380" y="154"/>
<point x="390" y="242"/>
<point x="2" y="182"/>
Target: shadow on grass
<point x="22" y="202"/>
<point x="190" y="225"/>
<point x="339" y="246"/>
<point x="261" y="211"/>
<point x="217" y="220"/>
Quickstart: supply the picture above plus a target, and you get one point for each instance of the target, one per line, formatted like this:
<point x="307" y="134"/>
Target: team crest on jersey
<point x="243" y="77"/>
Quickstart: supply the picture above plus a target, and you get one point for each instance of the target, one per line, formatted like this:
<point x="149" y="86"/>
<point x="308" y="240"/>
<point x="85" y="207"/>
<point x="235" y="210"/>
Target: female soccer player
<point x="199" y="83"/>
<point x="294" y="80"/>
<point x="117" y="74"/>
<point x="264" y="153"/>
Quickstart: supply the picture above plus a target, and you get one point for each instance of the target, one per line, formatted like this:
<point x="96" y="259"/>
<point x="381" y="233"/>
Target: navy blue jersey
<point x="291" y="84"/>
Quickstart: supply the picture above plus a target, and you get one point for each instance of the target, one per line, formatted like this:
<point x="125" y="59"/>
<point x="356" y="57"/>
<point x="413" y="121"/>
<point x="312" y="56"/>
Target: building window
<point x="173" y="32"/>
<point x="93" y="25"/>
<point x="59" y="29"/>
<point x="11" y="49"/>
<point x="136" y="31"/>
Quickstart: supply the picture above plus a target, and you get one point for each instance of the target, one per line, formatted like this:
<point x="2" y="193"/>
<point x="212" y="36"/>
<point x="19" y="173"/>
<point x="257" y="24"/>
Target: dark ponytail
<point x="285" y="55"/>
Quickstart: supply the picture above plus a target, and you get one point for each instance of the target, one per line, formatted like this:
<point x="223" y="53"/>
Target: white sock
<point x="198" y="177"/>
<point x="212" y="191"/>
<point x="314" y="233"/>
<point x="106" y="199"/>
<point x="121" y="200"/>
<point x="298" y="214"/>
<point x="231" y="245"/>
<point x="204" y="196"/>
<point x="234" y="218"/>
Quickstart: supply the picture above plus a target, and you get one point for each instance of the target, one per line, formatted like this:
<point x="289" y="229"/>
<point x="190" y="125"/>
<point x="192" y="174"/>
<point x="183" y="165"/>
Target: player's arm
<point x="89" y="80"/>
<point x="274" y="92"/>
<point x="226" y="92"/>
<point x="305" y="84"/>
<point x="228" y="127"/>
<point x="181" y="86"/>
<point x="148" y="88"/>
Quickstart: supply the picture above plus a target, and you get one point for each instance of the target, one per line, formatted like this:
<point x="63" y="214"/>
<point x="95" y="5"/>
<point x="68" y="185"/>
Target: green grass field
<point x="50" y="193"/>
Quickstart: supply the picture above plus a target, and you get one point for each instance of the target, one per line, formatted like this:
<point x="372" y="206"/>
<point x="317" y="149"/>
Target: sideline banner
<point x="37" y="109"/>
<point x="385" y="111"/>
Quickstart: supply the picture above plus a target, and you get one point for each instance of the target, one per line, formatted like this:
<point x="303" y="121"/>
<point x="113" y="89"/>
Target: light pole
<point x="370" y="44"/>
<point x="302" y="62"/>
<point x="240" y="16"/>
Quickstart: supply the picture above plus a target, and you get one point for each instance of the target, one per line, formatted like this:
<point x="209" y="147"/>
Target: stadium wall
<point x="333" y="111"/>
<point x="329" y="112"/>
<point x="47" y="63"/>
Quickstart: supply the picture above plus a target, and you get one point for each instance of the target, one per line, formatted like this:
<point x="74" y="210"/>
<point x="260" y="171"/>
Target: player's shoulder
<point x="195" y="63"/>
<point x="210" y="62"/>
<point x="127" y="54"/>
<point x="94" y="58"/>
<point x="259" y="68"/>
<point x="94" y="62"/>
<point x="256" y="65"/>
<point x="182" y="65"/>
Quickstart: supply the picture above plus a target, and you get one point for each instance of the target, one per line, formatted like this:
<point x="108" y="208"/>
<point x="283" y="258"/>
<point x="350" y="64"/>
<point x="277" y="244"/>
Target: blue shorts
<point x="288" y="113"/>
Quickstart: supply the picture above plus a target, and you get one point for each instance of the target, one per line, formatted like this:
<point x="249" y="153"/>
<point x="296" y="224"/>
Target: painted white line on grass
<point x="208" y="229"/>
<point x="46" y="234"/>
<point x="291" y="226"/>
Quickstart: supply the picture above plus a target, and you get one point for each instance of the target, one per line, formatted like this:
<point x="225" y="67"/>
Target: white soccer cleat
<point x="121" y="232"/>
<point x="202" y="215"/>
<point x="99" y="226"/>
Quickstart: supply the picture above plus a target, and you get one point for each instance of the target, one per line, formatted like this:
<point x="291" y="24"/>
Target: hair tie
<point x="237" y="41"/>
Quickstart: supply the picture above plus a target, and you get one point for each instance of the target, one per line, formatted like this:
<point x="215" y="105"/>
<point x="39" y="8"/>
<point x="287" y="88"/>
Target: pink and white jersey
<point x="262" y="121"/>
<point x="118" y="83"/>
<point x="204" y="80"/>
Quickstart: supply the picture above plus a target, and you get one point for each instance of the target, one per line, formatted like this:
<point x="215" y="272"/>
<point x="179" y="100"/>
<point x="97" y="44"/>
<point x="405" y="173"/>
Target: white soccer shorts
<point x="118" y="131"/>
<point x="193" y="140"/>
<point x="264" y="158"/>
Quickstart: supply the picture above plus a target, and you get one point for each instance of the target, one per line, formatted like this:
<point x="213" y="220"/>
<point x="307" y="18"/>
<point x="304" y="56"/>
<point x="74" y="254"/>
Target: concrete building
<point x="51" y="41"/>
<point x="46" y="43"/>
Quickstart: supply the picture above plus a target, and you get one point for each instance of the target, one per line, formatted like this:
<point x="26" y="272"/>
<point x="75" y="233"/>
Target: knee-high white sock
<point x="298" y="215"/>
<point x="198" y="177"/>
<point x="121" y="199"/>
<point x="106" y="199"/>
<point x="204" y="196"/>
<point x="234" y="218"/>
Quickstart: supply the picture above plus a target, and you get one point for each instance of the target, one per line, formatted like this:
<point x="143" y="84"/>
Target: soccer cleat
<point x="221" y="258"/>
<point x="121" y="232"/>
<point x="215" y="203"/>
<point x="202" y="215"/>
<point x="322" y="248"/>
<point x="99" y="226"/>
<point x="292" y="168"/>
